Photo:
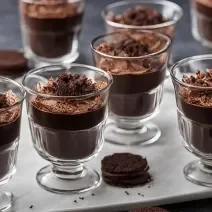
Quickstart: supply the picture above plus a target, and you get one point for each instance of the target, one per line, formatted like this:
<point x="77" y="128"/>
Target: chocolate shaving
<point x="139" y="16"/>
<point x="70" y="85"/>
<point x="198" y="96"/>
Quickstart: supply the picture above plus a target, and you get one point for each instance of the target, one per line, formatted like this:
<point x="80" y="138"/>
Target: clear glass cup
<point x="67" y="140"/>
<point x="135" y="97"/>
<point x="167" y="9"/>
<point x="201" y="17"/>
<point x="194" y="121"/>
<point x="51" y="30"/>
<point x="10" y="124"/>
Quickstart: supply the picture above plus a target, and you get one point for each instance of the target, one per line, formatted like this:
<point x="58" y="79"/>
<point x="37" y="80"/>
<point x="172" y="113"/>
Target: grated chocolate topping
<point x="138" y="16"/>
<point x="198" y="96"/>
<point x="70" y="85"/>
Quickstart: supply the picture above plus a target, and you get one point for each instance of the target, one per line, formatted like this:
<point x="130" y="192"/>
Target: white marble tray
<point x="166" y="158"/>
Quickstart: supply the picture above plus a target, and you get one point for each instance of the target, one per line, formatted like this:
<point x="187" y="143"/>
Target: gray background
<point x="184" y="46"/>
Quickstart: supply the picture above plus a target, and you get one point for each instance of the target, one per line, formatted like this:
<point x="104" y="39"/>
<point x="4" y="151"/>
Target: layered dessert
<point x="51" y="26"/>
<point x="134" y="76"/>
<point x="196" y="105"/>
<point x="10" y="118"/>
<point x="67" y="122"/>
<point x="142" y="16"/>
<point x="203" y="15"/>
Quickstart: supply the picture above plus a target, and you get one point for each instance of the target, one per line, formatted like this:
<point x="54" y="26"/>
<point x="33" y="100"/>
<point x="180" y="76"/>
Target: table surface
<point x="184" y="46"/>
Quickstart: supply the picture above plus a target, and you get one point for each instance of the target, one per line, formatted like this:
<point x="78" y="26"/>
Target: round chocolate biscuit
<point x="12" y="63"/>
<point x="122" y="163"/>
<point x="130" y="182"/>
<point x="149" y="210"/>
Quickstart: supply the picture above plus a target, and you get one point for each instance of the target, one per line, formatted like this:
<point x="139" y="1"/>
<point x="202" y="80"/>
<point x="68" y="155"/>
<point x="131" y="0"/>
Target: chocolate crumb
<point x="139" y="16"/>
<point x="93" y="194"/>
<point x="82" y="198"/>
<point x="127" y="193"/>
<point x="75" y="201"/>
<point x="31" y="206"/>
<point x="69" y="85"/>
<point x="139" y="194"/>
<point x="142" y="195"/>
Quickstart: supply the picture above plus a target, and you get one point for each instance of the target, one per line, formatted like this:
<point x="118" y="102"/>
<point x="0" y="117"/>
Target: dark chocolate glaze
<point x="52" y="37"/>
<point x="66" y="121"/>
<point x="9" y="132"/>
<point x="129" y="95"/>
<point x="200" y="130"/>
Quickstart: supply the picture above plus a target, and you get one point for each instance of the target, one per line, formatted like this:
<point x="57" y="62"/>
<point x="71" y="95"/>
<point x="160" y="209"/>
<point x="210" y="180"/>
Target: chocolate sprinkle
<point x="75" y="201"/>
<point x="127" y="193"/>
<point x="31" y="207"/>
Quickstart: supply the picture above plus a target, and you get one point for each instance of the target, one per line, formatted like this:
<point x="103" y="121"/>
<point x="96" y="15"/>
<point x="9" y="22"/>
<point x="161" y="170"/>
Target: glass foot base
<point x="145" y="134"/>
<point x="5" y="200"/>
<point x="38" y="62"/>
<point x="197" y="173"/>
<point x="89" y="180"/>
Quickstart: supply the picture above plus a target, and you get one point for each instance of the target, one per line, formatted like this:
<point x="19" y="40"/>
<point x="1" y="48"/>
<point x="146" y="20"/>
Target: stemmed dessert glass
<point x="10" y="124"/>
<point x="169" y="10"/>
<point x="51" y="30"/>
<point x="137" y="90"/>
<point x="67" y="139"/>
<point x="194" y="112"/>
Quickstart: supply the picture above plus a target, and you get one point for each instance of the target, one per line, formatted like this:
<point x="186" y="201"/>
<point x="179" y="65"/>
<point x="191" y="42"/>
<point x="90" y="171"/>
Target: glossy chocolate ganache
<point x="196" y="105"/>
<point x="51" y="26"/>
<point x="69" y="122"/>
<point x="133" y="78"/>
<point x="9" y="129"/>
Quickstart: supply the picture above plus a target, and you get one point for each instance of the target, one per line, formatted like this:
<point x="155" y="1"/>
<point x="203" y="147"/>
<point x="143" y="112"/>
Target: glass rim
<point x="108" y="76"/>
<point x="132" y="58"/>
<point x="20" y="87"/>
<point x="34" y="1"/>
<point x="156" y="26"/>
<point x="185" y="60"/>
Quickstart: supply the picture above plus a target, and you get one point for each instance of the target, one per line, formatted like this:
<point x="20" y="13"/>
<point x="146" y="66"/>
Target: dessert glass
<point x="10" y="123"/>
<point x="51" y="30"/>
<point x="201" y="16"/>
<point x="167" y="9"/>
<point x="194" y="121"/>
<point x="135" y="97"/>
<point x="66" y="140"/>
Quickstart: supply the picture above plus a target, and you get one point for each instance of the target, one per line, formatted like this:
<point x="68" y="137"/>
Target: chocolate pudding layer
<point x="196" y="105"/>
<point x="134" y="79"/>
<point x="51" y="28"/>
<point x="69" y="127"/>
<point x="204" y="18"/>
<point x="9" y="131"/>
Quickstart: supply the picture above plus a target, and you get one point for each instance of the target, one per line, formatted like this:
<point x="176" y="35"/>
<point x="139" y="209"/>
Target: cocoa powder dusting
<point x="198" y="96"/>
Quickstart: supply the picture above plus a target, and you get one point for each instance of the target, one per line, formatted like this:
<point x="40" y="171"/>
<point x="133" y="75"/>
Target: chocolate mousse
<point x="65" y="118"/>
<point x="196" y="105"/>
<point x="9" y="130"/>
<point x="51" y="26"/>
<point x="134" y="77"/>
<point x="203" y="10"/>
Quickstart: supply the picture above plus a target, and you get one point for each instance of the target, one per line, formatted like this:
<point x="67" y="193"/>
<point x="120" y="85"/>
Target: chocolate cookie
<point x="149" y="210"/>
<point x="12" y="63"/>
<point x="125" y="170"/>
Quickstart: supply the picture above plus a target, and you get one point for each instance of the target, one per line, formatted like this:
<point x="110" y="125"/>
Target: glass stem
<point x="69" y="172"/>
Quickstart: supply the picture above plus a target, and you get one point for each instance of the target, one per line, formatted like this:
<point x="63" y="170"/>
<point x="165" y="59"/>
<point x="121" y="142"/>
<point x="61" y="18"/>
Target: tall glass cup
<point x="194" y="116"/>
<point x="67" y="138"/>
<point x="169" y="10"/>
<point x="10" y="124"/>
<point x="137" y="90"/>
<point x="50" y="30"/>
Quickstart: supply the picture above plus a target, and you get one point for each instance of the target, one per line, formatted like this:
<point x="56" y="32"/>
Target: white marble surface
<point x="166" y="158"/>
